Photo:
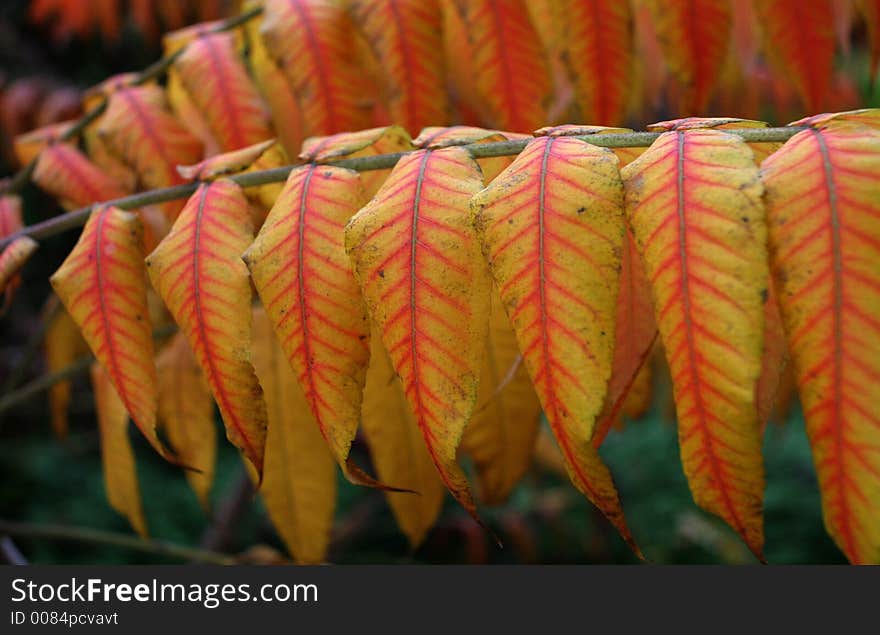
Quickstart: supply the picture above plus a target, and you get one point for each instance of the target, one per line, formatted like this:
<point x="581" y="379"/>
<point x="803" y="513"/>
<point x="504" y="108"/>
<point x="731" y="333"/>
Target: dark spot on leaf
<point x="763" y="295"/>
<point x="581" y="210"/>
<point x="744" y="219"/>
<point x="381" y="273"/>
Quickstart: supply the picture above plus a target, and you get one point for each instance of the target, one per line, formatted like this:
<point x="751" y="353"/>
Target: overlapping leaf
<point x="694" y="205"/>
<point x="103" y="287"/>
<point x="597" y="45"/>
<point x="139" y="129"/>
<point x="762" y="149"/>
<point x="398" y="450"/>
<point x="406" y="37"/>
<point x="695" y="37"/>
<point x="551" y="226"/>
<point x="310" y="40"/>
<point x="823" y="199"/>
<point x="117" y="458"/>
<point x="304" y="279"/>
<point x="186" y="415"/>
<point x="61" y="345"/>
<point x="417" y="261"/>
<point x="510" y="70"/>
<point x="624" y="155"/>
<point x="805" y="54"/>
<point x="197" y="269"/>
<point x="299" y="481"/>
<point x="435" y="137"/>
<point x="67" y="174"/>
<point x="501" y="435"/>
<point x="352" y="145"/>
<point x="222" y="91"/>
<point x="13" y="257"/>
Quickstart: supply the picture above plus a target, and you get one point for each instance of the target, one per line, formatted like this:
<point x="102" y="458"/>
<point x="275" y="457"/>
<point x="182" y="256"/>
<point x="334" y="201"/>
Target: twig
<point x="44" y="382"/>
<point x="113" y="539"/>
<point x="78" y="217"/>
<point x="219" y="534"/>
<point x="23" y="176"/>
<point x="10" y="552"/>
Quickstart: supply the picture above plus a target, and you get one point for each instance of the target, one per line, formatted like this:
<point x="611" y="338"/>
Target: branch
<point x="77" y="218"/>
<point x="44" y="382"/>
<point x="157" y="69"/>
<point x="113" y="539"/>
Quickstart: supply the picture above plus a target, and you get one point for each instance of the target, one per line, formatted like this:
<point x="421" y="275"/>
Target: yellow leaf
<point x="397" y="449"/>
<point x="435" y="138"/>
<point x="62" y="345"/>
<point x="418" y="265"/>
<point x="299" y="479"/>
<point x="186" y="412"/>
<point x="117" y="458"/>
<point x="198" y="272"/>
<point x="551" y="226"/>
<point x="694" y="205"/>
<point x="501" y="434"/>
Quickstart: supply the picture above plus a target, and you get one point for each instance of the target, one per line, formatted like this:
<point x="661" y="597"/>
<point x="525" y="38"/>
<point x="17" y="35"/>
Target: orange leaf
<point x="61" y="345"/>
<point x="226" y="163"/>
<point x="299" y="482"/>
<point x="871" y="11"/>
<point x="406" y="37"/>
<point x="865" y="116"/>
<point x="773" y="361"/>
<point x="13" y="257"/>
<point x="117" y="458"/>
<point x="397" y="449"/>
<point x="304" y="279"/>
<point x="435" y="137"/>
<point x="310" y="41"/>
<point x="67" y="174"/>
<point x="625" y="155"/>
<point x="551" y="226"/>
<point x="364" y="143"/>
<point x="103" y="287"/>
<point x="417" y="261"/>
<point x="803" y="56"/>
<point x="284" y="109"/>
<point x="694" y="206"/>
<point x="597" y="44"/>
<point x="823" y="205"/>
<point x="762" y="149"/>
<point x="29" y="145"/>
<point x="634" y="338"/>
<point x="197" y="269"/>
<point x="501" y="435"/>
<point x="139" y="129"/>
<point x="222" y="91"/>
<point x="10" y="214"/>
<point x="186" y="412"/>
<point x="510" y="69"/>
<point x="695" y="37"/>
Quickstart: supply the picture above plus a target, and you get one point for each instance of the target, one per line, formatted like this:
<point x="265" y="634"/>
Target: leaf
<point x="299" y="482"/>
<point x="406" y="37"/>
<point x="222" y="91"/>
<point x="417" y="261"/>
<point x="865" y="116"/>
<point x="634" y="338"/>
<point x="640" y="396"/>
<point x="300" y="269"/>
<point x="551" y="227"/>
<point x="695" y="36"/>
<point x="198" y="272"/>
<point x="67" y="174"/>
<point x="435" y="137"/>
<point x="351" y="145"/>
<point x="310" y="42"/>
<point x="10" y="214"/>
<point x="284" y="109"/>
<point x="27" y="147"/>
<point x="694" y="205"/>
<point x="226" y="163"/>
<point x="117" y="458"/>
<point x="823" y="206"/>
<point x="761" y="149"/>
<point x="501" y="434"/>
<point x="625" y="155"/>
<point x="62" y="345"/>
<point x="13" y="257"/>
<point x="102" y="286"/>
<point x="597" y="44"/>
<point x="774" y="360"/>
<point x="510" y="69"/>
<point x="803" y="56"/>
<point x="10" y="223"/>
<point x="186" y="413"/>
<point x="139" y="129"/>
<point x="398" y="450"/>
